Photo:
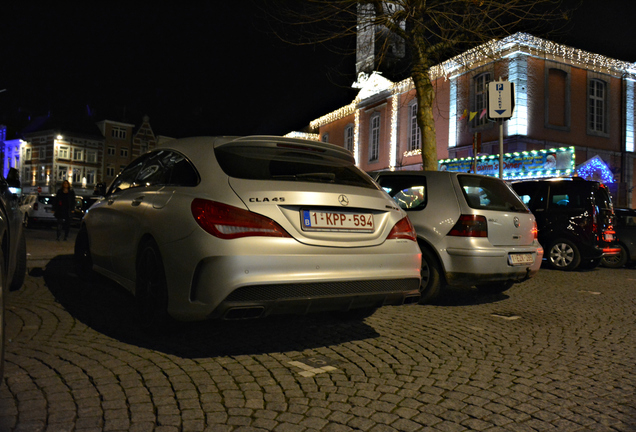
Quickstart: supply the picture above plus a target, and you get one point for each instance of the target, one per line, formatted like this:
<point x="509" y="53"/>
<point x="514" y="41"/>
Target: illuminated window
<point x="63" y="152"/>
<point x="348" y="137"/>
<point x="77" y="175"/>
<point x="27" y="154"/>
<point x="415" y="135"/>
<point x="374" y="138"/>
<point x="62" y="172"/>
<point x="597" y="106"/>
<point x="480" y="103"/>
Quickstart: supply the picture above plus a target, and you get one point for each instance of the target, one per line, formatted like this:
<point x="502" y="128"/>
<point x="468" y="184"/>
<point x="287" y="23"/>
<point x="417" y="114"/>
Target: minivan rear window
<point x="490" y="193"/>
<point x="289" y="164"/>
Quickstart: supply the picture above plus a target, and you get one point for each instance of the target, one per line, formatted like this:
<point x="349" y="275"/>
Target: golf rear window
<point x="290" y="164"/>
<point x="489" y="193"/>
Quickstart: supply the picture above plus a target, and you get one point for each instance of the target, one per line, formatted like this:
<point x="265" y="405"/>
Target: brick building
<point x="49" y="156"/>
<point x="563" y="97"/>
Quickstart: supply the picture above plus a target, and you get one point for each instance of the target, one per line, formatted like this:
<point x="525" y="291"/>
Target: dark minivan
<point x="574" y="218"/>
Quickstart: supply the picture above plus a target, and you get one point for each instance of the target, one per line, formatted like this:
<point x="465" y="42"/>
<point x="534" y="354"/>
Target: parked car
<point x="472" y="229"/>
<point x="82" y="204"/>
<point x="37" y="209"/>
<point x="575" y="220"/>
<point x="246" y="227"/>
<point x="625" y="227"/>
<point x="13" y="251"/>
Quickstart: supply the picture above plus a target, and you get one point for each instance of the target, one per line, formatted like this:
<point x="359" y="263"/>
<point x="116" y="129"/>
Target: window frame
<point x="348" y="137"/>
<point x="415" y="133"/>
<point x="597" y="108"/>
<point x="375" y="125"/>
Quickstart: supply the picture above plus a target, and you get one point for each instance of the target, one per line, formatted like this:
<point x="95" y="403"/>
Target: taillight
<point x="535" y="230"/>
<point x="403" y="230"/>
<point x="470" y="226"/>
<point x="229" y="222"/>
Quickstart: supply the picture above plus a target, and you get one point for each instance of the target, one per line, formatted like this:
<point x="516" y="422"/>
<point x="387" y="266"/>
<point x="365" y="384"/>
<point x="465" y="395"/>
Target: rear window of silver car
<point x="490" y="193"/>
<point x="290" y="164"/>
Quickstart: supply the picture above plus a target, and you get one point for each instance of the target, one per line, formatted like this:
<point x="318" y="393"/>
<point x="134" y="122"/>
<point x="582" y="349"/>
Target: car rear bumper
<point x="290" y="278"/>
<point x="482" y="265"/>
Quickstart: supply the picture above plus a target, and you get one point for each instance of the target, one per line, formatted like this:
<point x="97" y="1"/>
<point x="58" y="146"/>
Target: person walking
<point x="64" y="204"/>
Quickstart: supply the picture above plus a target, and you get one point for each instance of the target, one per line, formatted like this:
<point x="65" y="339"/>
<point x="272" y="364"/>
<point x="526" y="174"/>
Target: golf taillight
<point x="403" y="230"/>
<point x="535" y="230"/>
<point x="229" y="222"/>
<point x="470" y="226"/>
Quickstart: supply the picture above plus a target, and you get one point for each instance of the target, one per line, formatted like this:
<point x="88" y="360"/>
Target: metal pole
<point x="501" y="148"/>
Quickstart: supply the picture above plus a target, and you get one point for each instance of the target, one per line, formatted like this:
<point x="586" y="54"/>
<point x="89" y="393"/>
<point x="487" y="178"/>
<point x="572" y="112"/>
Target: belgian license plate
<point x="317" y="220"/>
<point x="520" y="258"/>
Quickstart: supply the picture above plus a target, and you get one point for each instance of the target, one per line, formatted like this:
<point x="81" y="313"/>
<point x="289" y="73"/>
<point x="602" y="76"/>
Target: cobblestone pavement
<point x="556" y="353"/>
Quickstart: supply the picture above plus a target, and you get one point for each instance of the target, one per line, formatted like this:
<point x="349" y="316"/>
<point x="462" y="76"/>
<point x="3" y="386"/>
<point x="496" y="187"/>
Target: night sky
<point x="199" y="70"/>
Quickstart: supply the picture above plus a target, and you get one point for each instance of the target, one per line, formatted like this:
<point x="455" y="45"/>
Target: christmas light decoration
<point x="393" y="136"/>
<point x="629" y="115"/>
<point x="595" y="169"/>
<point x="304" y="135"/>
<point x="452" y="112"/>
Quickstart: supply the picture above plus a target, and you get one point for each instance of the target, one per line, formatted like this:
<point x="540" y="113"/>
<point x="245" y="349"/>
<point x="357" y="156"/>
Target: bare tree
<point x="430" y="31"/>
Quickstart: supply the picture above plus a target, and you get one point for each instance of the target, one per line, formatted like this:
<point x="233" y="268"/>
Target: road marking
<point x="508" y="317"/>
<point x="309" y="371"/>
<point x="591" y="292"/>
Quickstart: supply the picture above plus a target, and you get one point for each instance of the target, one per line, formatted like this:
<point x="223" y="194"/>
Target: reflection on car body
<point x="472" y="229"/>
<point x="213" y="228"/>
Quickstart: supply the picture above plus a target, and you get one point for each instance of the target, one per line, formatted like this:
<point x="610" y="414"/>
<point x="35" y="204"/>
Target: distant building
<point x="564" y="97"/>
<point x="47" y="157"/>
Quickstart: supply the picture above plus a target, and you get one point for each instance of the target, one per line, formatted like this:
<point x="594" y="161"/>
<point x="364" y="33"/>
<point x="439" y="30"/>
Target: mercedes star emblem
<point x="343" y="200"/>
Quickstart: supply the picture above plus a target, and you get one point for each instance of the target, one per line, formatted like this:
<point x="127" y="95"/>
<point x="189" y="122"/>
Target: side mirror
<point x="100" y="189"/>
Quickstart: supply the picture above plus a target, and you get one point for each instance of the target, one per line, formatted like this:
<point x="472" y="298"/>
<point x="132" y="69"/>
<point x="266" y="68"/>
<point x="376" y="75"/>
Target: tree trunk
<point x="425" y="120"/>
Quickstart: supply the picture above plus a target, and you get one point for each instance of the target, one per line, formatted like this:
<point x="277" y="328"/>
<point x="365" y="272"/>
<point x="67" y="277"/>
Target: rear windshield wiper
<point x="331" y="177"/>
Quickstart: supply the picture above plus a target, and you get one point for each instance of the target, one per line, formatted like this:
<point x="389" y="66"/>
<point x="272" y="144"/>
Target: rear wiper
<point x="308" y="176"/>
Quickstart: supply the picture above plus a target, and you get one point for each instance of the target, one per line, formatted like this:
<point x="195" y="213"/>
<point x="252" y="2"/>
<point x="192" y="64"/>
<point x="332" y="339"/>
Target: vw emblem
<point x="343" y="200"/>
<point x="516" y="222"/>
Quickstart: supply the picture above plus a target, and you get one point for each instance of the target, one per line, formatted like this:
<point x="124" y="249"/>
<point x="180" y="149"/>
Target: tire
<point x="20" y="265"/>
<point x="431" y="284"/>
<point x="82" y="253"/>
<point x="495" y="287"/>
<point x="616" y="261"/>
<point x="151" y="292"/>
<point x="563" y="255"/>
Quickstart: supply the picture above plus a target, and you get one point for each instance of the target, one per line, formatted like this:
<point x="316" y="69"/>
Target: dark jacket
<point x="64" y="204"/>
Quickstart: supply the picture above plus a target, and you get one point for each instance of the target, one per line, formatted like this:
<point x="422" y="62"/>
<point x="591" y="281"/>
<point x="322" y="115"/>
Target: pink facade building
<point x="564" y="97"/>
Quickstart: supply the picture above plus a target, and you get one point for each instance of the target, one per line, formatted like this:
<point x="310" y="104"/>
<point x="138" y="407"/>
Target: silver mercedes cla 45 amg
<point x="246" y="227"/>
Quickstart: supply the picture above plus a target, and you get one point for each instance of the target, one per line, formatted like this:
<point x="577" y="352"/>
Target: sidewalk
<point x="42" y="246"/>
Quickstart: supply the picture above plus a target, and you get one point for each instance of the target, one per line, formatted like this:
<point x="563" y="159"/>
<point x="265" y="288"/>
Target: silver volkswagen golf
<point x="473" y="230"/>
<point x="246" y="227"/>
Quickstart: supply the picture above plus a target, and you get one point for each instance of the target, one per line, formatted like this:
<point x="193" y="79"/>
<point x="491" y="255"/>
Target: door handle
<point x="137" y="201"/>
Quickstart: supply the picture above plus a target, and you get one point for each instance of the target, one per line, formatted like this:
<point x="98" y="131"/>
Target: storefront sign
<point x="527" y="164"/>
